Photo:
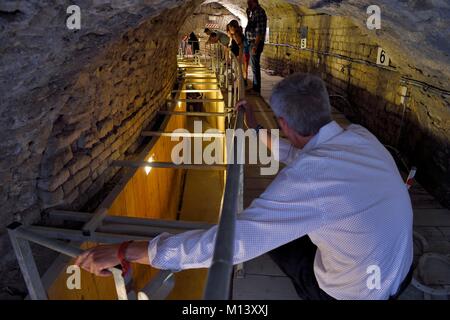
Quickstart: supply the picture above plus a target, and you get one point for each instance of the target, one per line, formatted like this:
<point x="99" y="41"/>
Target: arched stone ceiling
<point x="415" y="32"/>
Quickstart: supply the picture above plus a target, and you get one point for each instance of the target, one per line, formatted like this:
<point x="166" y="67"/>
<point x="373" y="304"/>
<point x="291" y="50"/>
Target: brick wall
<point x="72" y="102"/>
<point x="345" y="57"/>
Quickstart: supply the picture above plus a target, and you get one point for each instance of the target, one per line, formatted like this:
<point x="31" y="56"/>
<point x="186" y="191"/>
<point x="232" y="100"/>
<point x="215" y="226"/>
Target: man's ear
<point x="283" y="124"/>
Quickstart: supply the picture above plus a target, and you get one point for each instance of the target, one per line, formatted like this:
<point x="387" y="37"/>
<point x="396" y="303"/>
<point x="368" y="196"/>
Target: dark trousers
<point x="296" y="260"/>
<point x="255" y="61"/>
<point x="235" y="48"/>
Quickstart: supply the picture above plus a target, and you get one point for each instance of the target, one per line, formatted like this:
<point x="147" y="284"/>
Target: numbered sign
<point x="303" y="36"/>
<point x="303" y="43"/>
<point x="383" y="58"/>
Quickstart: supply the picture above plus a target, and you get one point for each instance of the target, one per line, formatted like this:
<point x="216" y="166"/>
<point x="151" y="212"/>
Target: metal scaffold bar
<point x="183" y="134"/>
<point x="27" y="264"/>
<point x="168" y="165"/>
<point x="196" y="91"/>
<point x="95" y="221"/>
<point x="195" y="114"/>
<point x="190" y="78"/>
<point x="202" y="83"/>
<point x="174" y="224"/>
<point x="22" y="235"/>
<point x="197" y="100"/>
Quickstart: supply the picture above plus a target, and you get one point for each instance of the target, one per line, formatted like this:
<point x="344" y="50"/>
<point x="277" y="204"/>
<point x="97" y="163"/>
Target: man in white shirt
<point x="337" y="219"/>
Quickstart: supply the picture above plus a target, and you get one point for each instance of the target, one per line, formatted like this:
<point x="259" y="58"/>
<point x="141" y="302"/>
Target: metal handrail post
<point x="220" y="272"/>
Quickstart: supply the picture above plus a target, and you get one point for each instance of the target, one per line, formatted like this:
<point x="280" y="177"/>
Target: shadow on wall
<point x="409" y="128"/>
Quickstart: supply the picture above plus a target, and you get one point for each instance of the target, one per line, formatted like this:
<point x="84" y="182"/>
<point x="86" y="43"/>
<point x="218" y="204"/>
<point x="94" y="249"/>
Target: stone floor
<point x="262" y="279"/>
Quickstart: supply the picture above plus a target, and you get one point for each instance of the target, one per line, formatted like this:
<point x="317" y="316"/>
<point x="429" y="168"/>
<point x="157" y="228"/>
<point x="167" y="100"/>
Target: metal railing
<point x="229" y="71"/>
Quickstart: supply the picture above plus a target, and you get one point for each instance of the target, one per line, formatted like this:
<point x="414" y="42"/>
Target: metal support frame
<point x="190" y="78"/>
<point x="201" y="83"/>
<point x="95" y="221"/>
<point x="168" y="165"/>
<point x="195" y="114"/>
<point x="27" y="265"/>
<point x="197" y="91"/>
<point x="196" y="100"/>
<point x="183" y="134"/>
<point x="21" y="237"/>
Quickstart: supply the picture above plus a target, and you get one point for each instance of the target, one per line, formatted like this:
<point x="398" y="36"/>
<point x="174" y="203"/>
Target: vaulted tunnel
<point x="75" y="101"/>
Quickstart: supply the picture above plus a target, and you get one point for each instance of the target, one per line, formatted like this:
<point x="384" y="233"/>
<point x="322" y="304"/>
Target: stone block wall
<point x="344" y="55"/>
<point x="75" y="101"/>
<point x="60" y="137"/>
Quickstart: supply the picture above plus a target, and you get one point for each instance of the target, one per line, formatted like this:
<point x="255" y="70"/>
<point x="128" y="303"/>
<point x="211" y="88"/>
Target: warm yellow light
<point x="200" y="74"/>
<point x="148" y="169"/>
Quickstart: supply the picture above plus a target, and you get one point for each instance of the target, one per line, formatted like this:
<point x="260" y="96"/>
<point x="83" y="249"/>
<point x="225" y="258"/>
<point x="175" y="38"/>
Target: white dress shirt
<point x="343" y="189"/>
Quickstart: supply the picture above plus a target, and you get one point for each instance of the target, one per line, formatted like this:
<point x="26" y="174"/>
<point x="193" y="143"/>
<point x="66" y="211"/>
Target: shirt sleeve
<point x="283" y="213"/>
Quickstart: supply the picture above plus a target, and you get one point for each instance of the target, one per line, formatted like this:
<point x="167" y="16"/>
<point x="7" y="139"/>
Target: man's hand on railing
<point x="250" y="119"/>
<point x="99" y="259"/>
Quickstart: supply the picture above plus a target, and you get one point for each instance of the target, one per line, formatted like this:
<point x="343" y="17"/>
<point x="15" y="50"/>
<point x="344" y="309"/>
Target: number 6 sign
<point x="383" y="58"/>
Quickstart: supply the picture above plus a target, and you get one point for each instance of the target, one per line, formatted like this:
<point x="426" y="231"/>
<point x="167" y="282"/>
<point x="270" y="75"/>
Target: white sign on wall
<point x="303" y="43"/>
<point x="383" y="58"/>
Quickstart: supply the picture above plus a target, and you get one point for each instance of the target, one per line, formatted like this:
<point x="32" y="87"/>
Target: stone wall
<point x="74" y="101"/>
<point x="345" y="56"/>
<point x="66" y="115"/>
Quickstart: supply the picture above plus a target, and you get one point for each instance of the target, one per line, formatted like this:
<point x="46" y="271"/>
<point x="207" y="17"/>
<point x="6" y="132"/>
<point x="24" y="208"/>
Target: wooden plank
<point x="431" y="217"/>
<point x="263" y="265"/>
<point x="258" y="287"/>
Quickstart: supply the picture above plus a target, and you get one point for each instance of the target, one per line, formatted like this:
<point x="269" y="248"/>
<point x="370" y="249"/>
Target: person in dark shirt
<point x="194" y="43"/>
<point x="256" y="34"/>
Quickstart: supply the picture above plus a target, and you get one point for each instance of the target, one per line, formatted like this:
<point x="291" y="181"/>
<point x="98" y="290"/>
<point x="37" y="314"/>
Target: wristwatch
<point x="124" y="263"/>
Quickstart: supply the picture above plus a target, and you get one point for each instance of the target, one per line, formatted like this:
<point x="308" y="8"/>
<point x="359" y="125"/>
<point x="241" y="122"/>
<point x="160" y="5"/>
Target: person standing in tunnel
<point x="256" y="34"/>
<point x="225" y="40"/>
<point x="237" y="34"/>
<point x="194" y="43"/>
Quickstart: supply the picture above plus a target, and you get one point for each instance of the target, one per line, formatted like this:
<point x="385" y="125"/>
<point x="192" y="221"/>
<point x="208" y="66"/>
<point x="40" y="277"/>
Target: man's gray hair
<point x="302" y="100"/>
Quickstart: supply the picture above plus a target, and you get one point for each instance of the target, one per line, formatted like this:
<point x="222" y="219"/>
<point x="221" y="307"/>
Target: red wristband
<point x="121" y="255"/>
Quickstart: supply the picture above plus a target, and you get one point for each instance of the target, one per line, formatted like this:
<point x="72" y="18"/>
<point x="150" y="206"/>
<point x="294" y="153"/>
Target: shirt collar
<point x="326" y="133"/>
